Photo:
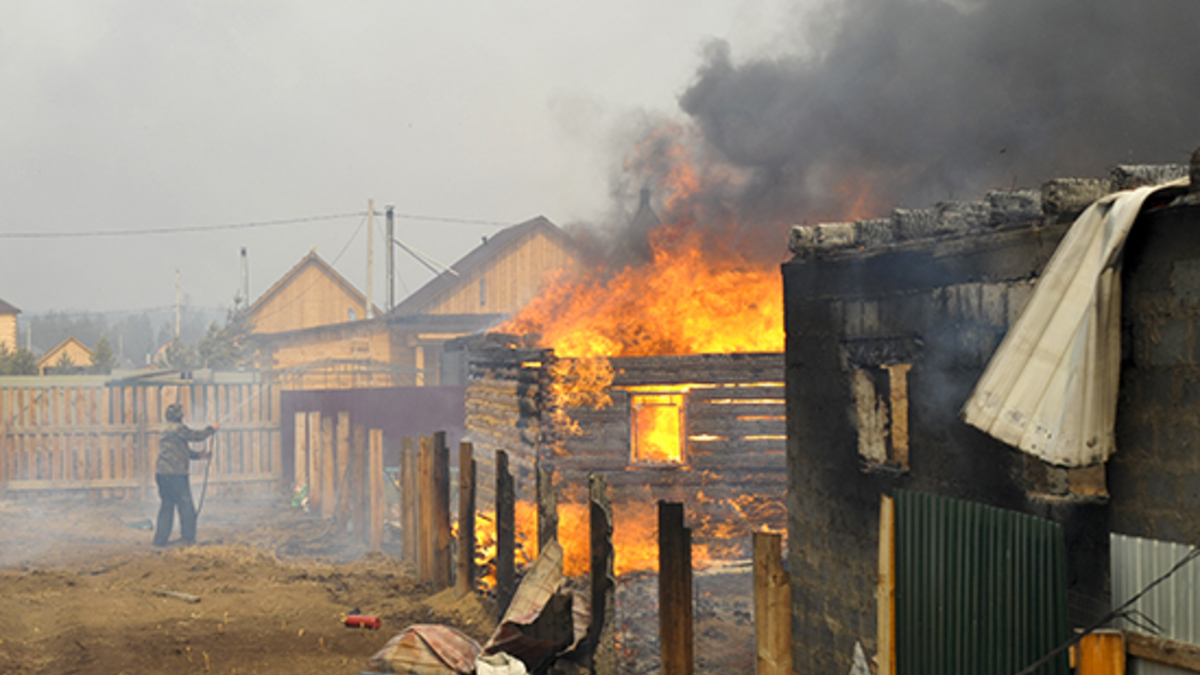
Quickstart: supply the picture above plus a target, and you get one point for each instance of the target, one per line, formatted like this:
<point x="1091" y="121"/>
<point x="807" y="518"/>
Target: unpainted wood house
<point x="70" y="351"/>
<point x="8" y="325"/>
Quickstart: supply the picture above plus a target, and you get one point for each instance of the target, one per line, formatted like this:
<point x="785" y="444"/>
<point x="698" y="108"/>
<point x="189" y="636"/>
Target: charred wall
<point x="932" y="293"/>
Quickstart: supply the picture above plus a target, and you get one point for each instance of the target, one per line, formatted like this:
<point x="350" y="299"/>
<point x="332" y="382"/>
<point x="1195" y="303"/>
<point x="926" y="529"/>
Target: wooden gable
<point x="500" y="276"/>
<point x="8" y="325"/>
<point x="311" y="294"/>
<point x="78" y="353"/>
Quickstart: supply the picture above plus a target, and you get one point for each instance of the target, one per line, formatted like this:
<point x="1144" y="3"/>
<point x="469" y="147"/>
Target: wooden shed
<point x="70" y="351"/>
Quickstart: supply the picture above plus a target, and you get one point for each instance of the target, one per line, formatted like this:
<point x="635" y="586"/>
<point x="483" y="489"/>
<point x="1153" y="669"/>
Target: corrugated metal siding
<point x="1174" y="604"/>
<point x="979" y="590"/>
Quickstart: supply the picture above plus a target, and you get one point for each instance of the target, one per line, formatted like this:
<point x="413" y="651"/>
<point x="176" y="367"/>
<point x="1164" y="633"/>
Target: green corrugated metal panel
<point x="979" y="590"/>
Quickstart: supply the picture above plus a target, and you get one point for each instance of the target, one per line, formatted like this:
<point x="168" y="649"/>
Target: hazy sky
<point x="131" y="115"/>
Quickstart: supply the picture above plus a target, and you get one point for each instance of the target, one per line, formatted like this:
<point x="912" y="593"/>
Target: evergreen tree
<point x="103" y="358"/>
<point x="20" y="362"/>
<point x="227" y="347"/>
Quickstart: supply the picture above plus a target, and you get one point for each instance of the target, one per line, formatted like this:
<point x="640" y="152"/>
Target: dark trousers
<point x="175" y="493"/>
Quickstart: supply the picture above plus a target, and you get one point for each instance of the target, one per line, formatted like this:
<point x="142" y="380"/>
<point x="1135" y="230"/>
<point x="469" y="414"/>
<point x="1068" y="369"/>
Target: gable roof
<point x="6" y="308"/>
<point x="492" y="247"/>
<point x="50" y="358"/>
<point x="310" y="260"/>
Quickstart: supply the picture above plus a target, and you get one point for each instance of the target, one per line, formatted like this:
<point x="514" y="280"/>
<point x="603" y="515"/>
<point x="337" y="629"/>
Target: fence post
<point x="425" y="518"/>
<point x="602" y="633"/>
<point x="772" y="607"/>
<point x="314" y="461"/>
<point x="440" y="480"/>
<point x="375" y="460"/>
<point x="328" y="488"/>
<point x="674" y="590"/>
<point x="886" y="591"/>
<point x="506" y="526"/>
<point x="409" y="515"/>
<point x="300" y="453"/>
<point x="465" y="580"/>
<point x="360" y="485"/>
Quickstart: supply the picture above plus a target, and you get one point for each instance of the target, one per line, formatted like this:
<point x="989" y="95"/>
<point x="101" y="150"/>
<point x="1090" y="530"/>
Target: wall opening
<point x="657" y="425"/>
<point x="881" y="415"/>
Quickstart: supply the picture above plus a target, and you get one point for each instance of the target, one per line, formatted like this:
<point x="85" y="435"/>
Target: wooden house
<point x="8" y="325"/>
<point x="72" y="350"/>
<point x="311" y="294"/>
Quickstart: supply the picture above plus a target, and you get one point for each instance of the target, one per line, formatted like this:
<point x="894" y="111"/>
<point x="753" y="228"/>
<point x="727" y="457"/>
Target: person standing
<point x="171" y="474"/>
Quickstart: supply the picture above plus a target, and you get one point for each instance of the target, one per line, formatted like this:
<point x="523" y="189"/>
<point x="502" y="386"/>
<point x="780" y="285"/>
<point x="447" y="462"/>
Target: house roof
<point x="50" y="358"/>
<point x="492" y="246"/>
<point x="314" y="260"/>
<point x="6" y="308"/>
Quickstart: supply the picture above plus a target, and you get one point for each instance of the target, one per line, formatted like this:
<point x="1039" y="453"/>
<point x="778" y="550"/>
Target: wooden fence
<point x="76" y="434"/>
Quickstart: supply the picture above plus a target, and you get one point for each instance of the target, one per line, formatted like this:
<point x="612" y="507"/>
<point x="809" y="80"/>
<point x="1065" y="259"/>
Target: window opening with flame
<point x="657" y="425"/>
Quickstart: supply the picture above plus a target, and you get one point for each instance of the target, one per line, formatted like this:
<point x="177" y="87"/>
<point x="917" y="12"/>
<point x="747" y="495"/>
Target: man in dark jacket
<point x="171" y="473"/>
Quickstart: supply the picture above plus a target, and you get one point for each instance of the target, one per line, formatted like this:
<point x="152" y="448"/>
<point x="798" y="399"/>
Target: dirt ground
<point x="78" y="582"/>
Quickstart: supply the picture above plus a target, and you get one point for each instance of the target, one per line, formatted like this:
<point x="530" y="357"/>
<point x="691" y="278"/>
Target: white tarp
<point x="1051" y="387"/>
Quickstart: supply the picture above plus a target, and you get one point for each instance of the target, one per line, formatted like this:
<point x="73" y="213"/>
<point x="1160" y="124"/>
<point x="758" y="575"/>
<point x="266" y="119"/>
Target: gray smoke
<point x="919" y="101"/>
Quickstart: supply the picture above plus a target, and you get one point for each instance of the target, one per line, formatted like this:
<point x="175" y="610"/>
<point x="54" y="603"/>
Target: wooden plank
<point x="300" y="452"/>
<point x="772" y="607"/>
<point x="505" y="534"/>
<point x="272" y="418"/>
<point x="466" y="520"/>
<point x="440" y="481"/>
<point x="885" y="599"/>
<point x="426" y="533"/>
<point x="314" y="461"/>
<point x="342" y="465"/>
<point x="409" y="540"/>
<point x="547" y="508"/>
<point x="674" y="590"/>
<point x="601" y="638"/>
<point x="375" y="441"/>
<point x="328" y="489"/>
<point x="1163" y="650"/>
<point x="360" y="485"/>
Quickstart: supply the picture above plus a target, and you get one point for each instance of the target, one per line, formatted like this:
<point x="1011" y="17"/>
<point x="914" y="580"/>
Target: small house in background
<point x="311" y="294"/>
<point x="8" y="325"/>
<point x="67" y="357"/>
<point x="310" y="329"/>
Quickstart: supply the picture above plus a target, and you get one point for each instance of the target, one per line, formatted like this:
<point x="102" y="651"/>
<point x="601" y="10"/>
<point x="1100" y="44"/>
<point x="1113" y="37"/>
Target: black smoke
<point x="921" y="101"/>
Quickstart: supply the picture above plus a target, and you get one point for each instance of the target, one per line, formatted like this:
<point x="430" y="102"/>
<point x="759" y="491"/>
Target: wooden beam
<point x="360" y="485"/>
<point x="375" y="462"/>
<point x="1163" y="650"/>
<point x="343" y="472"/>
<point x="547" y="509"/>
<point x="506" y="524"/>
<point x="674" y="590"/>
<point x="442" y="564"/>
<point x="885" y="592"/>
<point x="314" y="461"/>
<point x="328" y="489"/>
<point x="772" y="607"/>
<point x="408" y="500"/>
<point x="602" y="632"/>
<point x="466" y="519"/>
<point x="425" y="501"/>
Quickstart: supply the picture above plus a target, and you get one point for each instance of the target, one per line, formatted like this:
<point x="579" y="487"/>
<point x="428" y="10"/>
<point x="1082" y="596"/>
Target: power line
<point x="239" y="226"/>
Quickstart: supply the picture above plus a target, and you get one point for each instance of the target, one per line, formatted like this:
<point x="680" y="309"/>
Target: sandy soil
<point x="78" y="582"/>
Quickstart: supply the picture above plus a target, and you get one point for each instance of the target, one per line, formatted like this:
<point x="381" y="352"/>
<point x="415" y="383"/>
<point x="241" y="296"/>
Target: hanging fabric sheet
<point x="1051" y="387"/>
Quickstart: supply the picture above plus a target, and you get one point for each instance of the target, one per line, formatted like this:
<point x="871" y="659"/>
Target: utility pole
<point x="178" y="302"/>
<point x="391" y="267"/>
<point x="370" y="256"/>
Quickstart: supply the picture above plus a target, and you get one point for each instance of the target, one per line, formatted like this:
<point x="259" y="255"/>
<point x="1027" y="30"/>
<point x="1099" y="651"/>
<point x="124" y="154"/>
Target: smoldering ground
<point x="885" y="103"/>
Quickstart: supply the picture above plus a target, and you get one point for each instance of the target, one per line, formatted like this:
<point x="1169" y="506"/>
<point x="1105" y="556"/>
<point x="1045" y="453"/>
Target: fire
<point x="485" y="541"/>
<point x="696" y="297"/>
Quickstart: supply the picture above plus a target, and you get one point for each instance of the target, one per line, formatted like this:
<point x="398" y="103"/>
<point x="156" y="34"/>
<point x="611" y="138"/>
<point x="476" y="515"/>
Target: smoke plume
<point x="890" y="103"/>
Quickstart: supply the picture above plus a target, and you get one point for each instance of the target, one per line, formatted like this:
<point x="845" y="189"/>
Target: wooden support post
<point x="506" y="526"/>
<point x="342" y="470"/>
<point x="328" y="489"/>
<point x="547" y="507"/>
<point x="674" y="590"/>
<point x="375" y="462"/>
<point x="300" y="454"/>
<point x="426" y="533"/>
<point x="442" y="564"/>
<point x="885" y="593"/>
<point x="602" y="632"/>
<point x="466" y="520"/>
<point x="408" y="500"/>
<point x="772" y="607"/>
<point x="314" y="461"/>
<point x="360" y="485"/>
